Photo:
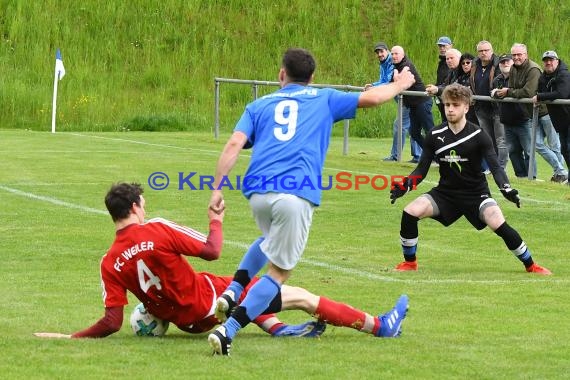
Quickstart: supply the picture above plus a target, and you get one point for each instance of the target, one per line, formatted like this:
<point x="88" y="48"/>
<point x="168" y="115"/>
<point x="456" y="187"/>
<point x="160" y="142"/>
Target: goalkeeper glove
<point x="400" y="188"/>
<point x="511" y="194"/>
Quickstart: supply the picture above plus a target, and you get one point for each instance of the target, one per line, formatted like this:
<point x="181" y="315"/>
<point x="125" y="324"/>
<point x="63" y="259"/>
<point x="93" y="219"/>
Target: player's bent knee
<point x="421" y="208"/>
<point x="492" y="215"/>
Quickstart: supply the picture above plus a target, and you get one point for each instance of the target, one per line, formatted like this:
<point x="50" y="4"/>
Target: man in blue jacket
<point x="385" y="76"/>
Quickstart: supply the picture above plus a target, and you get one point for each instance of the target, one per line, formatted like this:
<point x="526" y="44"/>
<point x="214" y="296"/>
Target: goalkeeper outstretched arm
<point x="410" y="182"/>
<point x="500" y="177"/>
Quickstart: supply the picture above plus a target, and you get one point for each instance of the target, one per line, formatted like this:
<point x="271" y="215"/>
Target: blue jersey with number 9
<point x="290" y="131"/>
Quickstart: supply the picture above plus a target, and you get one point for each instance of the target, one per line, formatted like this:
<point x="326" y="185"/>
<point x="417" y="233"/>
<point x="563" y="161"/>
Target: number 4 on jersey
<point x="143" y="270"/>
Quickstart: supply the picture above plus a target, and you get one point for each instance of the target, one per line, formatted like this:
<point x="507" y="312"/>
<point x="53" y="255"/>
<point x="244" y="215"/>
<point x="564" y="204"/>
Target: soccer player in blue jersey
<point x="459" y="147"/>
<point x="289" y="131"/>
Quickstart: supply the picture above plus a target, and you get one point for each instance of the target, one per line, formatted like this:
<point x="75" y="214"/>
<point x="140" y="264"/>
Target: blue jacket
<point x="386" y="71"/>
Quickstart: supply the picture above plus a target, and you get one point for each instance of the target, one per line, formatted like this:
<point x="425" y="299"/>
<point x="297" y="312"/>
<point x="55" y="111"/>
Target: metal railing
<point x="256" y="83"/>
<point x="255" y="86"/>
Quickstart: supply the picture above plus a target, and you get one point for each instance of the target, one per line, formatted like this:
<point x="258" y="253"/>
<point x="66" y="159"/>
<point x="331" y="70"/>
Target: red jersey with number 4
<point x="146" y="260"/>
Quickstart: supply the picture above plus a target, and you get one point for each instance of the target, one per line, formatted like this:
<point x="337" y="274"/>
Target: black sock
<point x="515" y="243"/>
<point x="409" y="236"/>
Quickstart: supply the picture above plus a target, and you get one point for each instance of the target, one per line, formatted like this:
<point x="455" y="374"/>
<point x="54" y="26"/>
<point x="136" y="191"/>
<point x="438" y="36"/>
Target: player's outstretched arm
<point x="383" y="93"/>
<point x="398" y="190"/>
<point x="226" y="162"/>
<point x="511" y="194"/>
<point x="213" y="247"/>
<point x="109" y="324"/>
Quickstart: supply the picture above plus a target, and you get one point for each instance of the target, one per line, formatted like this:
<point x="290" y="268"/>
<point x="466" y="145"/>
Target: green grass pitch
<point x="474" y="312"/>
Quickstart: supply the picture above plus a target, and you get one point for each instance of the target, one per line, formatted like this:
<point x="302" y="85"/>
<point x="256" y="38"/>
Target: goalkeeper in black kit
<point x="459" y="147"/>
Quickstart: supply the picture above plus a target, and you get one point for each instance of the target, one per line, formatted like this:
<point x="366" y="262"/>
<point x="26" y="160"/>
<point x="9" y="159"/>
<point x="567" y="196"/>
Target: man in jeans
<point x="517" y="123"/>
<point x="523" y="83"/>
<point x="554" y="83"/>
<point x="385" y="76"/>
<point x="420" y="107"/>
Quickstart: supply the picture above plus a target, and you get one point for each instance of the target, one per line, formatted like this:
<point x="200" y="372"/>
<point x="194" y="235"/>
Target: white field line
<point x="207" y="151"/>
<point x="53" y="201"/>
<point x="330" y="267"/>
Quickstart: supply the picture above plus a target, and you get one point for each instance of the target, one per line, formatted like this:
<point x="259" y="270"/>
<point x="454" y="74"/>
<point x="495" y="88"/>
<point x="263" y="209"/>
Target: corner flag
<point x="59" y="73"/>
<point x="59" y="69"/>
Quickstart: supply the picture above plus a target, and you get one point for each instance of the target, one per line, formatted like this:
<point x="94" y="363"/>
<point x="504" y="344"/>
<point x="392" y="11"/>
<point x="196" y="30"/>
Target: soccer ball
<point x="146" y="324"/>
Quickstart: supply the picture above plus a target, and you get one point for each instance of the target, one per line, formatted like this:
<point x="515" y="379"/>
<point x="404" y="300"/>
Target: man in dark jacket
<point x="452" y="57"/>
<point x="483" y="71"/>
<point x="386" y="72"/>
<point x="524" y="84"/>
<point x="420" y="106"/>
<point x="554" y="83"/>
<point x="443" y="45"/>
<point x="516" y="122"/>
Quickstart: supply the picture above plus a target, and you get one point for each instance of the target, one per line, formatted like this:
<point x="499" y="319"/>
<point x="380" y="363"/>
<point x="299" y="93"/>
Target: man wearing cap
<point x="554" y="83"/>
<point x="385" y="76"/>
<point x="386" y="67"/>
<point x="524" y="84"/>
<point x="443" y="45"/>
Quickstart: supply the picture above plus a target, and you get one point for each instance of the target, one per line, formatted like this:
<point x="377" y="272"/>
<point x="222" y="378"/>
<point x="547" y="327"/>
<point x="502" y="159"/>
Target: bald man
<point x="452" y="58"/>
<point x="420" y="106"/>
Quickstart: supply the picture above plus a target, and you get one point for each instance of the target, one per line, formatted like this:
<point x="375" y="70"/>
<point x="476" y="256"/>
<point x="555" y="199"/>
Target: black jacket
<point x="478" y="86"/>
<point x="452" y="77"/>
<point x="442" y="70"/>
<point x="412" y="101"/>
<point x="556" y="86"/>
<point x="463" y="79"/>
<point x="511" y="114"/>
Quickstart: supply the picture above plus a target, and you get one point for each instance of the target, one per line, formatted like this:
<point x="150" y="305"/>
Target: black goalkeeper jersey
<point x="459" y="157"/>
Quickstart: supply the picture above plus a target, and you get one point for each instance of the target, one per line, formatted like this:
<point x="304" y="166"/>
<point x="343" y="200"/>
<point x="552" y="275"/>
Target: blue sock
<point x="409" y="252"/>
<point x="256" y="302"/>
<point x="232" y="327"/>
<point x="526" y="257"/>
<point x="253" y="260"/>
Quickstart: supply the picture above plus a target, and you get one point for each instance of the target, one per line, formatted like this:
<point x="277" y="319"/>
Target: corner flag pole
<point x="59" y="74"/>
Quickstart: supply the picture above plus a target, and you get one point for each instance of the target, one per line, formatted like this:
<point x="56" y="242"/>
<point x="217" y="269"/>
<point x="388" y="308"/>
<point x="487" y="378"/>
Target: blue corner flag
<point x="59" y="69"/>
<point x="59" y="73"/>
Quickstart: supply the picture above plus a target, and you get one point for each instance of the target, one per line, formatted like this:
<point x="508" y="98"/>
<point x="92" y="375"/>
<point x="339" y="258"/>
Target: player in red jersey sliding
<point x="148" y="260"/>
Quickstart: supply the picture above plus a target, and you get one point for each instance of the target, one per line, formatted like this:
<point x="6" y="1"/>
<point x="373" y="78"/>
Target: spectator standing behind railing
<point x="420" y="106"/>
<point x="483" y="71"/>
<point x="385" y="76"/>
<point x="452" y="58"/>
<point x="465" y="64"/>
<point x="444" y="43"/>
<point x="554" y="83"/>
<point x="514" y="119"/>
<point x="524" y="84"/>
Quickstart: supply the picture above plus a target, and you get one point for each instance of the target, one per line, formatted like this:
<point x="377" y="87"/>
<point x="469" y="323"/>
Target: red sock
<point x="340" y="314"/>
<point x="268" y="322"/>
